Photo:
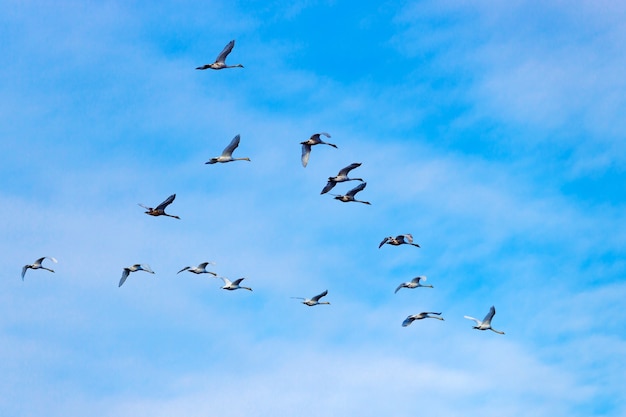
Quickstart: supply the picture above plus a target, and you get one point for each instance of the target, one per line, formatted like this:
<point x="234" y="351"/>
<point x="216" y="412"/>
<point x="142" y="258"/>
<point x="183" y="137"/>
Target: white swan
<point x="136" y="267"/>
<point x="227" y="154"/>
<point x="486" y="323"/>
<point x="341" y="177"/>
<point x="398" y="240"/>
<point x="313" y="301"/>
<point x="312" y="141"/>
<point x="37" y="265"/>
<point x="414" y="283"/>
<point x="349" y="196"/>
<point x="200" y="269"/>
<point x="160" y="209"/>
<point x="426" y="315"/>
<point x="231" y="286"/>
<point x="220" y="61"/>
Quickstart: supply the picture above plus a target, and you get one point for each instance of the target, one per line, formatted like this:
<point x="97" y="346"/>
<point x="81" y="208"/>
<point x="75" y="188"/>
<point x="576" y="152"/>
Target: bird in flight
<point x="486" y="323"/>
<point x="427" y="315"/>
<point x="313" y="301"/>
<point x="160" y="209"/>
<point x="313" y="140"/>
<point x="136" y="267"/>
<point x="414" y="283"/>
<point x="349" y="196"/>
<point x="341" y="177"/>
<point x="227" y="154"/>
<point x="37" y="265"/>
<point x="220" y="61"/>
<point x="398" y="240"/>
<point x="200" y="269"/>
<point x="235" y="285"/>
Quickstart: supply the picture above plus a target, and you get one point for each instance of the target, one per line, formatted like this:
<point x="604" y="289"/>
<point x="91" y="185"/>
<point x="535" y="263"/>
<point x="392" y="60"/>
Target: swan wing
<point x="124" y="276"/>
<point x="478" y="322"/>
<point x="344" y="171"/>
<point x="317" y="297"/>
<point x="166" y="203"/>
<point x="222" y="56"/>
<point x="356" y="189"/>
<point x="228" y="151"/>
<point x="408" y="321"/>
<point x="489" y="316"/>
<point x="306" y="151"/>
<point x="329" y="186"/>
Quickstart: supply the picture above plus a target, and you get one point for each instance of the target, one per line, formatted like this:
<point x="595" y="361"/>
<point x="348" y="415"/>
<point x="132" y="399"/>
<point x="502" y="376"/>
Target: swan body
<point x="160" y="209"/>
<point x="220" y="61"/>
<point x="485" y="324"/>
<point x="227" y="154"/>
<point x="37" y="265"/>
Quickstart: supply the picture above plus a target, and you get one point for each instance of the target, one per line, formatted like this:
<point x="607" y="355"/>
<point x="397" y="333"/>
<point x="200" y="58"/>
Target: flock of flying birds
<point x="342" y="176"/>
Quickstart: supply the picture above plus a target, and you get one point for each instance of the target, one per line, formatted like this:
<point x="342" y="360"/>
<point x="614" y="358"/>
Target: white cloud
<point x="553" y="71"/>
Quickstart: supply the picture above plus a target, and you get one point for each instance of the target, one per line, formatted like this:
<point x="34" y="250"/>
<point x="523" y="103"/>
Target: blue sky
<point x="491" y="131"/>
